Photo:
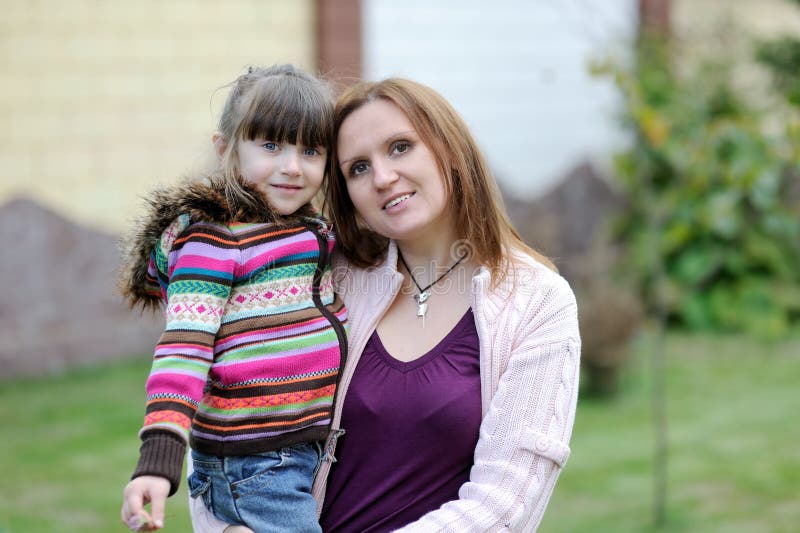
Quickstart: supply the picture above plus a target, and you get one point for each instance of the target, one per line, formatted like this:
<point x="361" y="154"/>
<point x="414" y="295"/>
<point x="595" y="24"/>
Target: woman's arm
<point x="523" y="441"/>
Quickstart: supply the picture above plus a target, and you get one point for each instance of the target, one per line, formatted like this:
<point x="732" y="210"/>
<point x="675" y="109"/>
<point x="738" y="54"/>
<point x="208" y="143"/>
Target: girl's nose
<point x="290" y="163"/>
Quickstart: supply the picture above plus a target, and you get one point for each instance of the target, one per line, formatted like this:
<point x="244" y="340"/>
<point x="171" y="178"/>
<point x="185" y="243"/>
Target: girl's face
<point x="391" y="175"/>
<point x="288" y="174"/>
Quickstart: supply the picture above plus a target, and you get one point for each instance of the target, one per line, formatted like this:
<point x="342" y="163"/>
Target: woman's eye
<point x="401" y="147"/>
<point x="270" y="146"/>
<point x="358" y="168"/>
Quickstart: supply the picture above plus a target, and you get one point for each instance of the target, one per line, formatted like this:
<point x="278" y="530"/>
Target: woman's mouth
<point x="399" y="199"/>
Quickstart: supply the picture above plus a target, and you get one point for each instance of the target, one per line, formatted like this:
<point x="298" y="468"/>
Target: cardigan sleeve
<point x="524" y="436"/>
<point x="200" y="265"/>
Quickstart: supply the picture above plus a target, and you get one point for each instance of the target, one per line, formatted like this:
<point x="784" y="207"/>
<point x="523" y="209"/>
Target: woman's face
<point x="391" y="175"/>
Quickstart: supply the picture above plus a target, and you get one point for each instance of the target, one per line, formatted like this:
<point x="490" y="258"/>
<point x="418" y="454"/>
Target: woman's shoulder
<point x="523" y="271"/>
<point x="538" y="298"/>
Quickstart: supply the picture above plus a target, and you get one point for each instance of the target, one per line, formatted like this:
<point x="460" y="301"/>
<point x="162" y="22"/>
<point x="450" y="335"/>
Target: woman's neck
<point x="416" y="255"/>
<point x="427" y="261"/>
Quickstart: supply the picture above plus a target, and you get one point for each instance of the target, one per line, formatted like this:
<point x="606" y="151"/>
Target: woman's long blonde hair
<point x="480" y="215"/>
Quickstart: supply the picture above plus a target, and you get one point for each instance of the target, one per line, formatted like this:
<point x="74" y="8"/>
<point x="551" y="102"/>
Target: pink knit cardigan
<point x="530" y="355"/>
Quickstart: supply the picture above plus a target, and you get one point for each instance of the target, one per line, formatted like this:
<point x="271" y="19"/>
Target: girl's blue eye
<point x="270" y="146"/>
<point x="310" y="151"/>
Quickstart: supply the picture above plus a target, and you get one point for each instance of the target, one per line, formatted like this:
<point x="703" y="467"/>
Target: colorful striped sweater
<point x="254" y="339"/>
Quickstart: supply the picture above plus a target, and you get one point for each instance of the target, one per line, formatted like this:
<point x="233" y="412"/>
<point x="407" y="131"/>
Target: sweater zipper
<point x="322" y="242"/>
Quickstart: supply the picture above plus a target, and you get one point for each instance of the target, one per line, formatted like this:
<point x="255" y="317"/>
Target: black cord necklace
<point x="424" y="294"/>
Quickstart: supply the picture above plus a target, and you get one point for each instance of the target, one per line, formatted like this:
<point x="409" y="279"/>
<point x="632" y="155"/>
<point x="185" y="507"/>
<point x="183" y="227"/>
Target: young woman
<point x="456" y="403"/>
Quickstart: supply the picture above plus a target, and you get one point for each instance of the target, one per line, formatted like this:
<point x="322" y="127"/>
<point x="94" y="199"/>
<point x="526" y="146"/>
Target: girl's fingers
<point x="133" y="514"/>
<point x="157" y="504"/>
<point x="140" y="522"/>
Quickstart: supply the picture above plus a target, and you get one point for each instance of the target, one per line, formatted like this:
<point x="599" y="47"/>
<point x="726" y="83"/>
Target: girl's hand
<point x="138" y="493"/>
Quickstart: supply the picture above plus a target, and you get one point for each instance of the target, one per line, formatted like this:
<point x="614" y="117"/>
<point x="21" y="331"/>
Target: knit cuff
<point x="161" y="454"/>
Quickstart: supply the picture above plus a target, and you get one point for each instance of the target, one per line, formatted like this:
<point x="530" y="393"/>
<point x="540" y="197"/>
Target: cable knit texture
<point x="530" y="351"/>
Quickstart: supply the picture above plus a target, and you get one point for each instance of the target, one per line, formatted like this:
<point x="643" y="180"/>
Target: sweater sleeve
<point x="200" y="267"/>
<point x="524" y="436"/>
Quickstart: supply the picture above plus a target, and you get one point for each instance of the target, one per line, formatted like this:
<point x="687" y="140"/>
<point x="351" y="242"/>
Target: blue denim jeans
<point x="267" y="492"/>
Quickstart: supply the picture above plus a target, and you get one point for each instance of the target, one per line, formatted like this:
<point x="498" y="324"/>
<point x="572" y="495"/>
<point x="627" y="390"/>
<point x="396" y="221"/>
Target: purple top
<point x="411" y="430"/>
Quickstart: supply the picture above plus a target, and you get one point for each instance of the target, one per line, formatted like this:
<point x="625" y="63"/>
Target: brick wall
<point x="102" y="99"/>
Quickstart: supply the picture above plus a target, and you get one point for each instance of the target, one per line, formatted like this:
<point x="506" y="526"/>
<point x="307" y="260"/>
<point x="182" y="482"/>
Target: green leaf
<point x="696" y="312"/>
<point x="695" y="264"/>
<point x="725" y="214"/>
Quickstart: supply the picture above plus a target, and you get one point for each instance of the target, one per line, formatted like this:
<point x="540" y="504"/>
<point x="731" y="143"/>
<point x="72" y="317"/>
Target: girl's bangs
<point x="287" y="109"/>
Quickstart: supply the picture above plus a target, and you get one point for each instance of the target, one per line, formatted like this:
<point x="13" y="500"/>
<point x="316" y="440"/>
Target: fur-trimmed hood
<point x="208" y="201"/>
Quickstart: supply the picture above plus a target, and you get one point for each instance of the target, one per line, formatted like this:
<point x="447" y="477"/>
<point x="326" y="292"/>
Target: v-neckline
<point x="433" y="353"/>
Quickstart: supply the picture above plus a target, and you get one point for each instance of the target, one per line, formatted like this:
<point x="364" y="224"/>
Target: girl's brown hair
<point x="480" y="215"/>
<point x="281" y="103"/>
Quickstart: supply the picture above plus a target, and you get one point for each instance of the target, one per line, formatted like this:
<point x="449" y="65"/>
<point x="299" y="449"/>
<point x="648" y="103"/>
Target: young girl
<point x="246" y="370"/>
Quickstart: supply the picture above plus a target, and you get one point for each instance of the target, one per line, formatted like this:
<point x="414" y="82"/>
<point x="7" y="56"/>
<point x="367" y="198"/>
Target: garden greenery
<point x="711" y="233"/>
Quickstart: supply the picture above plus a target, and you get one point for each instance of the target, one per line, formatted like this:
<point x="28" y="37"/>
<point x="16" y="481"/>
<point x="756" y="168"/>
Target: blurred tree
<point x="782" y="57"/>
<point x="703" y="168"/>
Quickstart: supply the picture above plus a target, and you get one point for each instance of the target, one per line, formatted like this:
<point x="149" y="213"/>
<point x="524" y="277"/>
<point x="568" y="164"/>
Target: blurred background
<point x="651" y="147"/>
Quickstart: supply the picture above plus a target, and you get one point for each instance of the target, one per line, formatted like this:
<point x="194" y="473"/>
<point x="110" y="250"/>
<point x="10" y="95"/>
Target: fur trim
<point x="210" y="202"/>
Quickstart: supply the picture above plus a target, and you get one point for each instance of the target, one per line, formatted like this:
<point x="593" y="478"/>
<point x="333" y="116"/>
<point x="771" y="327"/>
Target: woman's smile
<point x="397" y="201"/>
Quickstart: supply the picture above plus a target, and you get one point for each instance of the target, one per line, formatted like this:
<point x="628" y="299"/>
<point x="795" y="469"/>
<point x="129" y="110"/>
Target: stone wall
<point x="59" y="306"/>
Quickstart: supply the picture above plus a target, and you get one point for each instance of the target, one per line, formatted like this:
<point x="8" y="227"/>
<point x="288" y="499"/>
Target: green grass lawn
<point x="69" y="445"/>
<point x="734" y="443"/>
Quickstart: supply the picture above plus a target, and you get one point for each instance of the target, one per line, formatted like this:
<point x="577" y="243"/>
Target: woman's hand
<point x="138" y="493"/>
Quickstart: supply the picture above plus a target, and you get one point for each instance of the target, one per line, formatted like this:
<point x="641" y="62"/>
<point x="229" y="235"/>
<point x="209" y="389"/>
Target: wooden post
<point x="654" y="17"/>
<point x="339" y="41"/>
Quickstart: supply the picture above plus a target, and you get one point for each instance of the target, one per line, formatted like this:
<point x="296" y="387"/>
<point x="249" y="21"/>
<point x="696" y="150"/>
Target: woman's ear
<point x="220" y="144"/>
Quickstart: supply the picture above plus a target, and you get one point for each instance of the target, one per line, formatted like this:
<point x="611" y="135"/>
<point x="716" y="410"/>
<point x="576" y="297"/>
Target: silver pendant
<point x="422" y="306"/>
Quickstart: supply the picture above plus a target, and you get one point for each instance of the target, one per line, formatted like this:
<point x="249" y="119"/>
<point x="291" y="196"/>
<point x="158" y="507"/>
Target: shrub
<point x="708" y="234"/>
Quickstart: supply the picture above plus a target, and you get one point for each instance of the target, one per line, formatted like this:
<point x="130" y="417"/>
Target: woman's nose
<point x="383" y="175"/>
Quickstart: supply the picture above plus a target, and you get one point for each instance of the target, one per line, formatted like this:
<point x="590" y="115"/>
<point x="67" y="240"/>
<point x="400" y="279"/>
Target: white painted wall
<point x="517" y="71"/>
